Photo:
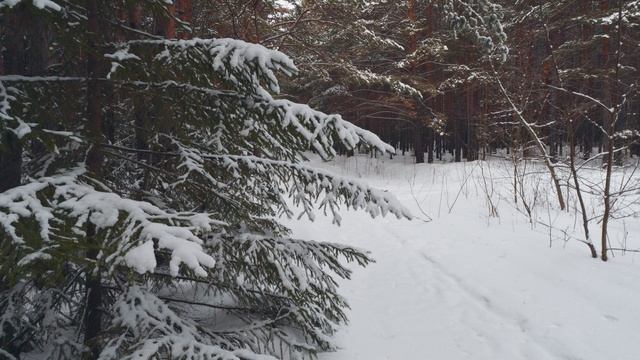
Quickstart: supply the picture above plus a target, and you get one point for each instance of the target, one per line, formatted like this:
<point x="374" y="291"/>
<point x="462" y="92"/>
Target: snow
<point x="286" y="4"/>
<point x="22" y="128"/>
<point x="301" y="116"/>
<point x="149" y="325"/>
<point x="139" y="259"/>
<point x="230" y="59"/>
<point x="229" y="55"/>
<point x="467" y="285"/>
<point x="143" y="222"/>
<point x="40" y="4"/>
<point x="375" y="202"/>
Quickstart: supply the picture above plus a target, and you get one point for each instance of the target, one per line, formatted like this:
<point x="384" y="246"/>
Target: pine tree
<point x="386" y="64"/>
<point x="162" y="241"/>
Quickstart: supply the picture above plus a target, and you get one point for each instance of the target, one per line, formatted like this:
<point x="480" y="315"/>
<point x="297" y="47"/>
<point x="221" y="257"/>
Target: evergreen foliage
<point x="171" y="201"/>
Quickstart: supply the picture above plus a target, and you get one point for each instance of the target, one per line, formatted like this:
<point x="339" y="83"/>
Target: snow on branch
<point x="354" y="193"/>
<point x="142" y="225"/>
<point x="482" y="20"/>
<point x="40" y="4"/>
<point x="628" y="15"/>
<point x="588" y="97"/>
<point x="308" y="181"/>
<point x="317" y="127"/>
<point x="299" y="264"/>
<point x="149" y="329"/>
<point x="243" y="63"/>
<point x="229" y="57"/>
<point x="368" y="77"/>
<point x="22" y="128"/>
<point x="361" y="29"/>
<point x="15" y="90"/>
<point x="296" y="270"/>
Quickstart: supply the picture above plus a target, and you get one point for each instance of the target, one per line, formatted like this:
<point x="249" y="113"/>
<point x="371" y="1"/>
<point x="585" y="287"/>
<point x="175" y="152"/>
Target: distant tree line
<point x="422" y="73"/>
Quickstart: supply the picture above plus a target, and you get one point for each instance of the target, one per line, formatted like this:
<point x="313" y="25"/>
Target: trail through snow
<point x="470" y="286"/>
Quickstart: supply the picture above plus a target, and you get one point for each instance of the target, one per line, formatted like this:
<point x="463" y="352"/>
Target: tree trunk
<point x="458" y="115"/>
<point x="429" y="73"/>
<point x="418" y="135"/>
<point x="166" y="23"/>
<point x="610" y="126"/>
<point x="576" y="182"/>
<point x="93" y="315"/>
<point x="430" y="144"/>
<point x="26" y="53"/>
<point x="10" y="161"/>
<point x="184" y="11"/>
<point x="418" y="143"/>
<point x="607" y="201"/>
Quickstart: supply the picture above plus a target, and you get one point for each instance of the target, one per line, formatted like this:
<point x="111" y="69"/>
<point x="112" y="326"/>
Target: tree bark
<point x="576" y="182"/>
<point x="430" y="144"/>
<point x="10" y="161"/>
<point x="611" y="119"/>
<point x="607" y="201"/>
<point x="166" y="24"/>
<point x="26" y="53"/>
<point x="418" y="135"/>
<point x="418" y="143"/>
<point x="93" y="294"/>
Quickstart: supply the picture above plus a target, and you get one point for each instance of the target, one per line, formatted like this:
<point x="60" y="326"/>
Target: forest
<point x="319" y="179"/>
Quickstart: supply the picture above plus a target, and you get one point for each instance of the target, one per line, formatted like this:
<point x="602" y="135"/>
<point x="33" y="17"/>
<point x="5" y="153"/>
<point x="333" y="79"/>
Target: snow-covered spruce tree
<point x="155" y="170"/>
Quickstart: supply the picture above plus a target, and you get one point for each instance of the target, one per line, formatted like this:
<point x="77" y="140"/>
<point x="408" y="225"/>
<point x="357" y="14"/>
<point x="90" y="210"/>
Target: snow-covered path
<point x="470" y="286"/>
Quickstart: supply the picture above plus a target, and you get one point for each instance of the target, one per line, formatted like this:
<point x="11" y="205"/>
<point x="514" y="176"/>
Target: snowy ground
<point x="468" y="285"/>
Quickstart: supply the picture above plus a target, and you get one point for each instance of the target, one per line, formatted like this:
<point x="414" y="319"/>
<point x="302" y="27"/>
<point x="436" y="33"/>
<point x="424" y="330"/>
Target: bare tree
<point x="615" y="96"/>
<point x="535" y="137"/>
